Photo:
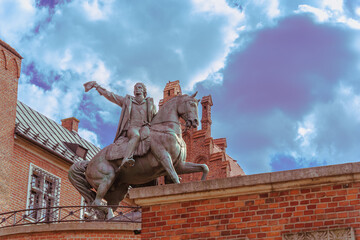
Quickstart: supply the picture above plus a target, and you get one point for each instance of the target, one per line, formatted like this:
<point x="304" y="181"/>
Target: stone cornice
<point x="71" y="226"/>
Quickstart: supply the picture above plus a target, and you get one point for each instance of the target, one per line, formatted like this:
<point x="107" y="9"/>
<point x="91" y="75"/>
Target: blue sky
<point x="284" y="75"/>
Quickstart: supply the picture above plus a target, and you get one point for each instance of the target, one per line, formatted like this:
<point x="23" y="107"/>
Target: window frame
<point x="44" y="176"/>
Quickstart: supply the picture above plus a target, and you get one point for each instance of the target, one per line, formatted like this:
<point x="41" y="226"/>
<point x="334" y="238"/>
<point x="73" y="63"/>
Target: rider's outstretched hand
<point x="89" y="85"/>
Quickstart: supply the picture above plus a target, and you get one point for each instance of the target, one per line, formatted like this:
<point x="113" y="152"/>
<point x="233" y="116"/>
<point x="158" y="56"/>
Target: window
<point x="77" y="149"/>
<point x="43" y="194"/>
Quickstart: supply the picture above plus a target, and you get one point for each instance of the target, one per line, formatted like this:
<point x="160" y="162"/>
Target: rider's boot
<point x="128" y="160"/>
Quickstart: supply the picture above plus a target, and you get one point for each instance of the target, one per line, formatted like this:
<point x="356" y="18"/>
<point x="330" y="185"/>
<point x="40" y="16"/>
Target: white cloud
<point x="330" y="133"/>
<point x="274" y="10"/>
<point x="334" y="5"/>
<point x="183" y="43"/>
<point x="350" y="102"/>
<point x="330" y="11"/>
<point x="358" y="11"/>
<point x="60" y="101"/>
<point x="352" y="23"/>
<point x="89" y="136"/>
<point x="306" y="131"/>
<point x="18" y="18"/>
<point x="101" y="74"/>
<point x="321" y="15"/>
<point x="97" y="11"/>
<point x="65" y="59"/>
<point x="230" y="32"/>
<point x="271" y="7"/>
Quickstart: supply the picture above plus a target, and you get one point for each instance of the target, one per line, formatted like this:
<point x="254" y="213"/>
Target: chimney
<point x="206" y="103"/>
<point x="10" y="65"/>
<point x="71" y="124"/>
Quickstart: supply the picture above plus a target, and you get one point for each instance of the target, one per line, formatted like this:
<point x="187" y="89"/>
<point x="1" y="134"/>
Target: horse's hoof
<point x="110" y="215"/>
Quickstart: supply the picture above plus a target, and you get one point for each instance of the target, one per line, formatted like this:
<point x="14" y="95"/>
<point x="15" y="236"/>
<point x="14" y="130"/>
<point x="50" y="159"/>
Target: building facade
<point x="35" y="156"/>
<point x="10" y="67"/>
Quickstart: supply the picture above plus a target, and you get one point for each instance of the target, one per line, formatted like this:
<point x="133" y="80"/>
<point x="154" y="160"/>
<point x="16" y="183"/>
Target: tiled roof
<point x="49" y="134"/>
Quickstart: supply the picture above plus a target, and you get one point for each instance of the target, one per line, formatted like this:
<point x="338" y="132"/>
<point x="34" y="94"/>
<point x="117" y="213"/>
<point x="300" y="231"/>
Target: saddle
<point x="116" y="150"/>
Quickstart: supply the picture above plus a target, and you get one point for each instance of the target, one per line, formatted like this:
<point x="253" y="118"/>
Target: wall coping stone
<point x="9" y="48"/>
<point x="71" y="226"/>
<point x="248" y="184"/>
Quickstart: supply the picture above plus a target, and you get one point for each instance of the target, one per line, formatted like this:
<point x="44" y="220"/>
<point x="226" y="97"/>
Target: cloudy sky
<point x="284" y="75"/>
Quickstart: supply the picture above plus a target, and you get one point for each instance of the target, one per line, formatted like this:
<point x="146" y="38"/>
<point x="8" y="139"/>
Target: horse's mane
<point x="172" y="100"/>
<point x="168" y="103"/>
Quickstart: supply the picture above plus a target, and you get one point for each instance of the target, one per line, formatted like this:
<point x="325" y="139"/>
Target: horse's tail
<point x="78" y="180"/>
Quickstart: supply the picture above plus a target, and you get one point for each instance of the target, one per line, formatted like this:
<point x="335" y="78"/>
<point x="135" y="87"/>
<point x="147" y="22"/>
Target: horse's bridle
<point x="184" y="116"/>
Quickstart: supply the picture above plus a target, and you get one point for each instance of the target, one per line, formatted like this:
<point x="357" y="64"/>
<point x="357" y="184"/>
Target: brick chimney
<point x="10" y="65"/>
<point x="171" y="90"/>
<point x="71" y="124"/>
<point x="206" y="103"/>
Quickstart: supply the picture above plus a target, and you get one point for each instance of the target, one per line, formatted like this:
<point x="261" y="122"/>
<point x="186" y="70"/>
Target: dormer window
<point x="77" y="149"/>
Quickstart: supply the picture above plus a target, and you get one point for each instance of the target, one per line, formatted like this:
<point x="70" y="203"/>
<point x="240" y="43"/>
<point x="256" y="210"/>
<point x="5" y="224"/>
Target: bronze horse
<point x="166" y="157"/>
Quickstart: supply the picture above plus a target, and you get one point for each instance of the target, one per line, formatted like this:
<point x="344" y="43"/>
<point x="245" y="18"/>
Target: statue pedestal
<point x="274" y="205"/>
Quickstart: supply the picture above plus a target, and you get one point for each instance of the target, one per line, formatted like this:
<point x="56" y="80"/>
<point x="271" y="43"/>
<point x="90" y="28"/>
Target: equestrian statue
<point x="147" y="145"/>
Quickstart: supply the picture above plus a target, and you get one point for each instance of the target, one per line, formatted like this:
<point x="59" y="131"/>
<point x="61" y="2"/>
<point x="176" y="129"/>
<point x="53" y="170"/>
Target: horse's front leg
<point x="189" y="167"/>
<point x="165" y="160"/>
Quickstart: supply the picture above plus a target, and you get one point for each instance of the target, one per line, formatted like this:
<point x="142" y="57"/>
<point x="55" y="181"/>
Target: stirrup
<point x="127" y="162"/>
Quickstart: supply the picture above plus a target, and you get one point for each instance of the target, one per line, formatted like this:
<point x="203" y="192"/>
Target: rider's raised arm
<point x="119" y="100"/>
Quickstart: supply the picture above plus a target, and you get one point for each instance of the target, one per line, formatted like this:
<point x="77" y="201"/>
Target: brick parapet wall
<point x="10" y="65"/>
<point x="69" y="231"/>
<point x="262" y="206"/>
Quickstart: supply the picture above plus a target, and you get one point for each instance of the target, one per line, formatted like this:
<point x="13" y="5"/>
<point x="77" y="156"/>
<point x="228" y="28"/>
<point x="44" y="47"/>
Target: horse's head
<point x="188" y="110"/>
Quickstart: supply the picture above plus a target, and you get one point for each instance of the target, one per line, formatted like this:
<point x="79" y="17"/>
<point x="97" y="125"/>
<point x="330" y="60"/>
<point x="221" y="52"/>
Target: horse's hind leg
<point x="105" y="184"/>
<point x="102" y="178"/>
<point x="114" y="197"/>
<point x="189" y="167"/>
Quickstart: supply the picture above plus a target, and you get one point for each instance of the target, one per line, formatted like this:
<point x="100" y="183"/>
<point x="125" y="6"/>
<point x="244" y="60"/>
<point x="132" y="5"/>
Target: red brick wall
<point x="20" y="175"/>
<point x="202" y="150"/>
<point x="9" y="73"/>
<point x="256" y="216"/>
<point x="72" y="235"/>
